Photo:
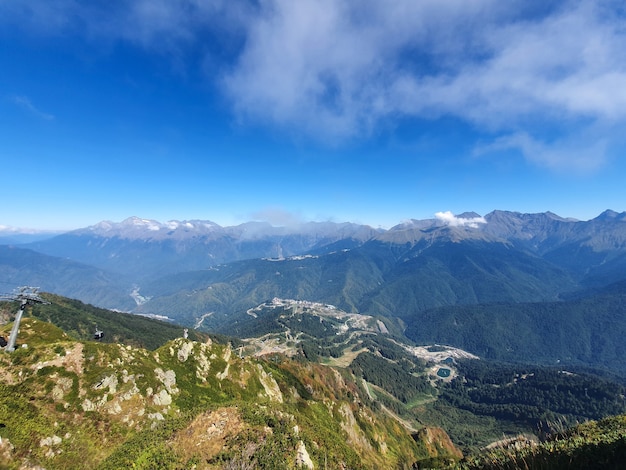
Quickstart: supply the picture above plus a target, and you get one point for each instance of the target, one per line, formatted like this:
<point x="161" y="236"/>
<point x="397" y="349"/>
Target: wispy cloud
<point x="164" y="26"/>
<point x="573" y="153"/>
<point x="25" y="103"/>
<point x="336" y="69"/>
<point x="278" y="217"/>
<point x="452" y="220"/>
<point x="8" y="230"/>
<point x="522" y="72"/>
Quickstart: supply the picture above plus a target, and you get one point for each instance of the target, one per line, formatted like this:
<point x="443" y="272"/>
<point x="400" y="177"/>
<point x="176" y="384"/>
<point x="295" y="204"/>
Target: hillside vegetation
<point x="593" y="445"/>
<point x="310" y="385"/>
<point x="85" y="404"/>
<point x="79" y="321"/>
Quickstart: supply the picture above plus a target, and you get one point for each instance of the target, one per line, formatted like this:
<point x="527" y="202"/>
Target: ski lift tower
<point x="26" y="296"/>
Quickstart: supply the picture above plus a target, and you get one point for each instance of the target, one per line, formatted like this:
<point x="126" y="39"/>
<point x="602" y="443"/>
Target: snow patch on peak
<point x="139" y="228"/>
<point x="105" y="225"/>
<point x="152" y="225"/>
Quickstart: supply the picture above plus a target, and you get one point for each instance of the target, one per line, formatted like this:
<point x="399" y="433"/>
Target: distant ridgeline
<point x="503" y="256"/>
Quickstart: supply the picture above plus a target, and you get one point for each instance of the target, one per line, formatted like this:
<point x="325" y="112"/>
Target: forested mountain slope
<point x="585" y="331"/>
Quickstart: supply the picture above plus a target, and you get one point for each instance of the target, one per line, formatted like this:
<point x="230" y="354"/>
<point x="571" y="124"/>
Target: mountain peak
<point x="469" y="215"/>
<point x="611" y="215"/>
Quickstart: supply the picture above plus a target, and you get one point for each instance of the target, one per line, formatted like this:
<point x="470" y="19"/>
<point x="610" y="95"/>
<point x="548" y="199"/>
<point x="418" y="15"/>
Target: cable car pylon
<point x="26" y="296"/>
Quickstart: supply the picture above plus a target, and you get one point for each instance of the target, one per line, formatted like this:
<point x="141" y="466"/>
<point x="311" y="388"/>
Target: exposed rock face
<point x="6" y="449"/>
<point x="109" y="382"/>
<point x="72" y="360"/>
<point x="203" y="363"/>
<point x="162" y="398"/>
<point x="302" y="457"/>
<point x="168" y="379"/>
<point x="224" y="374"/>
<point x="438" y="442"/>
<point x="62" y="386"/>
<point x="269" y="384"/>
<point x="352" y="429"/>
<point x="52" y="443"/>
<point x="207" y="434"/>
<point x="185" y="350"/>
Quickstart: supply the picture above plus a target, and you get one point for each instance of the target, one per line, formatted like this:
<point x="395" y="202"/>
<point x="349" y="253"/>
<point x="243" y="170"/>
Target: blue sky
<point x="372" y="111"/>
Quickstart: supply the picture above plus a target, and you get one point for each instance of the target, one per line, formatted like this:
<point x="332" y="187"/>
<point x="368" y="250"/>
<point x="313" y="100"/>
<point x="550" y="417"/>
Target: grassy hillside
<point x="79" y="320"/>
<point x="84" y="404"/>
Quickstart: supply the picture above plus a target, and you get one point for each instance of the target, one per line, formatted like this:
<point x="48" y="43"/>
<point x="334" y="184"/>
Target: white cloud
<point x="450" y="219"/>
<point x="339" y="69"/>
<point x="25" y="103"/>
<point x="569" y="65"/>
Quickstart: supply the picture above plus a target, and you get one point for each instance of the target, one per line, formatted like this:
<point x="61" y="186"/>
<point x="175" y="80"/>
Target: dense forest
<point x="396" y="379"/>
<point x="584" y="331"/>
<point x="533" y="395"/>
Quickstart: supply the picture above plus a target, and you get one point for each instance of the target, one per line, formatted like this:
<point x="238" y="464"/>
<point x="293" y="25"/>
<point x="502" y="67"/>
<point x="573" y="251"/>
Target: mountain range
<point x="200" y="274"/>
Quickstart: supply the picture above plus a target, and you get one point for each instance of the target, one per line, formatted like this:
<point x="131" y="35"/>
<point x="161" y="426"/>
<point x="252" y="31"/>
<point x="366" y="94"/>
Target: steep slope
<point x="80" y="320"/>
<point x="448" y="272"/>
<point x="68" y="404"/>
